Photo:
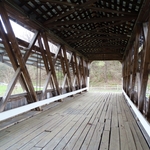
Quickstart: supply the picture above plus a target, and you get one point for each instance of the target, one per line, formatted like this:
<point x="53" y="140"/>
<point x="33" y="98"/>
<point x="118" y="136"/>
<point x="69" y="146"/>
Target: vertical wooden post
<point x="83" y="72"/>
<point x="135" y="61"/>
<point x="128" y="73"/>
<point x="49" y="72"/>
<point x="123" y="74"/>
<point x="43" y="53"/>
<point x="77" y="71"/>
<point x="52" y="66"/>
<point x="65" y="81"/>
<point x="74" y="71"/>
<point x="88" y="76"/>
<point x="67" y="68"/>
<point x="144" y="74"/>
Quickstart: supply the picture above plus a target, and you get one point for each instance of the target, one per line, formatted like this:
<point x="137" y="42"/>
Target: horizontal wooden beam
<point x="101" y="46"/>
<point x="14" y="112"/>
<point x="58" y="2"/>
<point x="105" y="57"/>
<point x="95" y="31"/>
<point x="78" y="8"/>
<point x="97" y="38"/>
<point x="110" y="10"/>
<point x="59" y="17"/>
<point x="83" y="21"/>
<point x="104" y="52"/>
<point x="87" y="5"/>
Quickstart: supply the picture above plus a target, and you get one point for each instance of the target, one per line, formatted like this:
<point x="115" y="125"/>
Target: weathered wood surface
<point x="88" y="122"/>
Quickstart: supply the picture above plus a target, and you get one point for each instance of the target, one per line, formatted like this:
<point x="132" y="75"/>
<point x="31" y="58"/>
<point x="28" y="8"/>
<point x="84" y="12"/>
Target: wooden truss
<point x="136" y="69"/>
<point x="82" y="32"/>
<point x="82" y="24"/>
<point x="74" y="67"/>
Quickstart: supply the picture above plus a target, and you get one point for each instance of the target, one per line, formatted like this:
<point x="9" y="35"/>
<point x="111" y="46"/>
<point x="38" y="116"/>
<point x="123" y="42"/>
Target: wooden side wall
<point x="136" y="69"/>
<point x="73" y="66"/>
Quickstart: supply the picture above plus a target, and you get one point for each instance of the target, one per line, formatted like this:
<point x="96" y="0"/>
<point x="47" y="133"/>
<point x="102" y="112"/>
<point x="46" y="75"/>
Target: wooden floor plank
<point x="140" y="137"/>
<point x="122" y="132"/>
<point x="89" y="136"/>
<point x="105" y="140"/>
<point x="35" y="148"/>
<point x="67" y="138"/>
<point x="114" y="114"/>
<point x="107" y="125"/>
<point x="123" y="139"/>
<point x="85" y="137"/>
<point x="131" y="134"/>
<point x="50" y="129"/>
<point x="40" y="124"/>
<point x="7" y="123"/>
<point x="33" y="142"/>
<point x="90" y="121"/>
<point x="26" y="124"/>
<point x="53" y="142"/>
<point x="29" y="135"/>
<point x="136" y="139"/>
<point x="139" y="141"/>
<point x="114" y="133"/>
<point x="131" y="143"/>
<point x="97" y="134"/>
<point x="96" y="138"/>
<point x="114" y="139"/>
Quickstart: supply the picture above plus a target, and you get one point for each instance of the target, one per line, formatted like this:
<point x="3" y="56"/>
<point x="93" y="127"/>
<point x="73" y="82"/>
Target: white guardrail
<point x="139" y="117"/>
<point x="16" y="111"/>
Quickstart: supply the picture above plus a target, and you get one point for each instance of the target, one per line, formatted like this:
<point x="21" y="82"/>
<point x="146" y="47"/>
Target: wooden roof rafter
<point x="97" y="38"/>
<point x="77" y="8"/>
<point x="103" y="19"/>
<point x="77" y="26"/>
<point x="87" y="31"/>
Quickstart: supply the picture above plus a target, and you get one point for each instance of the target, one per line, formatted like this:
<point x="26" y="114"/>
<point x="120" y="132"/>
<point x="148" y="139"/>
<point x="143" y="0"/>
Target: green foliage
<point x="2" y="89"/>
<point x="105" y="73"/>
<point x="6" y="73"/>
<point x="16" y="90"/>
<point x="101" y="73"/>
<point x="97" y="64"/>
<point x="59" y="74"/>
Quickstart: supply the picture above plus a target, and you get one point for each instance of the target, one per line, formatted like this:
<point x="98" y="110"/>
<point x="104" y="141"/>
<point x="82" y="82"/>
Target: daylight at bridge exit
<point x="74" y="75"/>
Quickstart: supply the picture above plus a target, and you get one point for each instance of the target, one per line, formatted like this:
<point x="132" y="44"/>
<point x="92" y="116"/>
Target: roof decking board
<point x="75" y="21"/>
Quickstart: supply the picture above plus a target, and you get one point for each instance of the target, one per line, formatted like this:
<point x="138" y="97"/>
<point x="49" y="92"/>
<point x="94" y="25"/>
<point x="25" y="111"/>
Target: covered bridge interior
<point x="67" y="36"/>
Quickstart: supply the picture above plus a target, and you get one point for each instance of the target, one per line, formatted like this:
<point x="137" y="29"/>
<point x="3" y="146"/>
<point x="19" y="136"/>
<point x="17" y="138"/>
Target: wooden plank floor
<point x="89" y="121"/>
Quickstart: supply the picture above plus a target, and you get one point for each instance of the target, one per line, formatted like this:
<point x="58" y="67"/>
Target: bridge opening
<point x="106" y="76"/>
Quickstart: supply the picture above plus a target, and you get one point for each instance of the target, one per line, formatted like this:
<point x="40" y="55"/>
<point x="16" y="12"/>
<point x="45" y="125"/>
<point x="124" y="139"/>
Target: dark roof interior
<point x="97" y="29"/>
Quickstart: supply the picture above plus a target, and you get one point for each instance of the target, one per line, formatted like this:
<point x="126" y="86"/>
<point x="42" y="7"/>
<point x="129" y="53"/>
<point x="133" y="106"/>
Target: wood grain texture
<point x="88" y="121"/>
